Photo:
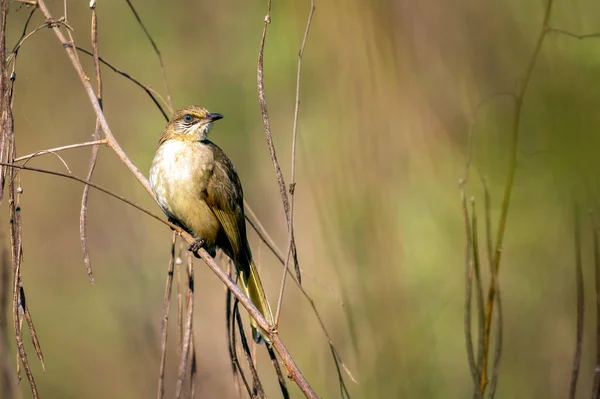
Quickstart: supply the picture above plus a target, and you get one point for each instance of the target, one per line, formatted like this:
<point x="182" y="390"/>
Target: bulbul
<point x="198" y="188"/>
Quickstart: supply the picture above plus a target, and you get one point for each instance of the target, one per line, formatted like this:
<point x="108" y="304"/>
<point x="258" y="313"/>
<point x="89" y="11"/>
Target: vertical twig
<point x="258" y="389"/>
<point x="194" y="367"/>
<point x="95" y="149"/>
<point x="512" y="167"/>
<point x="187" y="334"/>
<point x="178" y="263"/>
<point x="479" y="289"/>
<point x="468" y="290"/>
<point x="292" y="190"/>
<point x="8" y="386"/>
<point x="165" y="319"/>
<point x="580" y="304"/>
<point x="237" y="371"/>
<point x="280" y="378"/>
<point x="265" y="117"/>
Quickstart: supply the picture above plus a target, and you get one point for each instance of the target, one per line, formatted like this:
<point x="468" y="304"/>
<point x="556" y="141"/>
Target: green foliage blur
<point x="389" y="93"/>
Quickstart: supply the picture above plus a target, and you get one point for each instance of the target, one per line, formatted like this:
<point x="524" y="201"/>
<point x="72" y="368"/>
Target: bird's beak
<point x="213" y="116"/>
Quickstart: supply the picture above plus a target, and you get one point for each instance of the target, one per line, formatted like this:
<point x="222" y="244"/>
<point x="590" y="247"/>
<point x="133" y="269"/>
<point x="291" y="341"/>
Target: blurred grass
<point x="388" y="95"/>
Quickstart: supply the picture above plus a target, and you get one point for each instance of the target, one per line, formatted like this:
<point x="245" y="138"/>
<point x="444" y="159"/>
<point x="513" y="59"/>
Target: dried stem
<point x="258" y="390"/>
<point x="265" y="117"/>
<point x="187" y="334"/>
<point x="580" y="305"/>
<point x="237" y="371"/>
<point x="94" y="155"/>
<point x="292" y="190"/>
<point x="61" y="148"/>
<point x="468" y="291"/>
<point x="280" y="378"/>
<point x="165" y="319"/>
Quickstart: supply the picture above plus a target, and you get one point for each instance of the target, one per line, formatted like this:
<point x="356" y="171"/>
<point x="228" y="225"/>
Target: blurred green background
<point x="389" y="92"/>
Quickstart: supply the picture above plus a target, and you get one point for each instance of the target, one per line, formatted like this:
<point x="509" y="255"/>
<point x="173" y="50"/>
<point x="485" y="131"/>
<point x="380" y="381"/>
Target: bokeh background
<point x="390" y="90"/>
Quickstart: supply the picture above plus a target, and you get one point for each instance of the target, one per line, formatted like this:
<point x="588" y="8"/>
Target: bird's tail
<point x="253" y="288"/>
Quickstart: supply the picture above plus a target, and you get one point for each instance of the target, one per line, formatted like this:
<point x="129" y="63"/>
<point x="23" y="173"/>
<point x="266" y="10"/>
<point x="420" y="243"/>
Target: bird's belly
<point x="178" y="184"/>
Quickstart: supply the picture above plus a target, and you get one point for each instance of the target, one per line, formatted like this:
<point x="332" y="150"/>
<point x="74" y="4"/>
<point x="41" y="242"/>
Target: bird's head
<point x="190" y="123"/>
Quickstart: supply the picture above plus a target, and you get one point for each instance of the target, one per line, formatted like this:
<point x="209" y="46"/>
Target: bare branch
<point x="62" y="148"/>
<point x="187" y="335"/>
<point x="165" y="319"/>
<point x="258" y="390"/>
<point x="95" y="149"/>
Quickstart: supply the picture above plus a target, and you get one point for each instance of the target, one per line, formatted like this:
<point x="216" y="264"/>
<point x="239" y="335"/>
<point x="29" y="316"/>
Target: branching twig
<point x="512" y="166"/>
<point x="61" y="148"/>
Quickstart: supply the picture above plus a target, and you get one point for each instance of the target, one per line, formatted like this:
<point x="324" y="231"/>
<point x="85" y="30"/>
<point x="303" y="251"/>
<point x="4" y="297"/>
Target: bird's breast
<point x="179" y="176"/>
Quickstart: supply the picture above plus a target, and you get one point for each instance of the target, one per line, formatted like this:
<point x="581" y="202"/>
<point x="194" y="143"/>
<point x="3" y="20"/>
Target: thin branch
<point x="194" y="366"/>
<point x="62" y="148"/>
<point x="94" y="155"/>
<point x="479" y="290"/>
<point x="187" y="335"/>
<point x="291" y="243"/>
<point x="468" y="291"/>
<point x="97" y="187"/>
<point x="512" y="166"/>
<point x="280" y="378"/>
<point x="573" y="35"/>
<point x="265" y="117"/>
<point x="236" y="368"/>
<point x="153" y="94"/>
<point x="165" y="319"/>
<point x="158" y="54"/>
<point x="258" y="390"/>
<point x="178" y="263"/>
<point x="580" y="305"/>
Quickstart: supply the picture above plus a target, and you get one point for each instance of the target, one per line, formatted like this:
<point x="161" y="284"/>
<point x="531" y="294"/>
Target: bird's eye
<point x="187" y="118"/>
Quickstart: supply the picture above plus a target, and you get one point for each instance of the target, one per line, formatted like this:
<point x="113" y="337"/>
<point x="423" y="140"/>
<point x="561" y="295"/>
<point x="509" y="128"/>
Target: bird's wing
<point x="225" y="198"/>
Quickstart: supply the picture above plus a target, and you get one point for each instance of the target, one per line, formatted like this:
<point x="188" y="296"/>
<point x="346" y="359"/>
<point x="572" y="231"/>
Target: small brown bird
<point x="198" y="188"/>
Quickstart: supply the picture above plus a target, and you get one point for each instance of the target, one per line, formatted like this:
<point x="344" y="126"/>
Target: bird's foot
<point x="196" y="246"/>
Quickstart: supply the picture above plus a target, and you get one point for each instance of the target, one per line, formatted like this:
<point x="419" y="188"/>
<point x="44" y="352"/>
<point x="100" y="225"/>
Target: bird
<point x="198" y="188"/>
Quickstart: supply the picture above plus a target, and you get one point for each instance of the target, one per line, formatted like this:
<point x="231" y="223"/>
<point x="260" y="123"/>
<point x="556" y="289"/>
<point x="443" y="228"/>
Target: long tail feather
<point x="252" y="287"/>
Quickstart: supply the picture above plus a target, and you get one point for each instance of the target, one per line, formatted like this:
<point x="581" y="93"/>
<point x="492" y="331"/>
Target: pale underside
<point x="179" y="177"/>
